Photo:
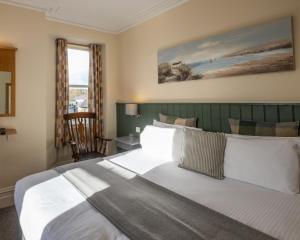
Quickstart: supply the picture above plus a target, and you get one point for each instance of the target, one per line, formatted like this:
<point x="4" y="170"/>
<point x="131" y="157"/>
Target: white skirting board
<point x="6" y="196"/>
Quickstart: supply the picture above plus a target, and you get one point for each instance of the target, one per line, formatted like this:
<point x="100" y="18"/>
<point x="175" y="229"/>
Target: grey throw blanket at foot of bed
<point x="143" y="210"/>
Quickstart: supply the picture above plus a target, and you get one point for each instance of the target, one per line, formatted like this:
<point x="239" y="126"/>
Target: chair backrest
<point x="82" y="130"/>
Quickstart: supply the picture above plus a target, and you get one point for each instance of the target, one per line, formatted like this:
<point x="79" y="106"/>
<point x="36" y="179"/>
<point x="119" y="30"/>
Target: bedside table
<point x="127" y="143"/>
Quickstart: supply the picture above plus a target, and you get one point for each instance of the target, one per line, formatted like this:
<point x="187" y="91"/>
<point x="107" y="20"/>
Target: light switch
<point x="138" y="129"/>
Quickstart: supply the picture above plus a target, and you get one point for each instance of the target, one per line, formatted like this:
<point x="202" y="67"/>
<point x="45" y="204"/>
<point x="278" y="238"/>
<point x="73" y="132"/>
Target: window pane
<point x="78" y="61"/>
<point x="78" y="99"/>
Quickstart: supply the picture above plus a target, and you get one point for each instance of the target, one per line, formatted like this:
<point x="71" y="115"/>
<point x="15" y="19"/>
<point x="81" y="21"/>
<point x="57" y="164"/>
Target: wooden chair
<point x="83" y="140"/>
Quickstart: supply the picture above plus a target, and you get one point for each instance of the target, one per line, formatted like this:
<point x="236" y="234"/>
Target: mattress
<point x="50" y="207"/>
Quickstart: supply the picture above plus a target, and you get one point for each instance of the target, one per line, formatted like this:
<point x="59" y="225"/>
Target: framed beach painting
<point x="263" y="48"/>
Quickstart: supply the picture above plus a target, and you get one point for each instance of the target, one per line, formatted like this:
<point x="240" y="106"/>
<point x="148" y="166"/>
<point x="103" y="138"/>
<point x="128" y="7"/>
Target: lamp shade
<point x="131" y="109"/>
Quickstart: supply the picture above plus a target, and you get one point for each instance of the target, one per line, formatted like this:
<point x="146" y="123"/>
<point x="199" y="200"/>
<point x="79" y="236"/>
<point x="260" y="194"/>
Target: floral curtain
<point x="95" y="103"/>
<point x="62" y="92"/>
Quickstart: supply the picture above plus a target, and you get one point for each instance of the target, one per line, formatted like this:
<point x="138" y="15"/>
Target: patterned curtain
<point x="62" y="92"/>
<point x="95" y="103"/>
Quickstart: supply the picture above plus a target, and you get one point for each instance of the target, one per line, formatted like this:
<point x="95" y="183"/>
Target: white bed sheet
<point x="49" y="207"/>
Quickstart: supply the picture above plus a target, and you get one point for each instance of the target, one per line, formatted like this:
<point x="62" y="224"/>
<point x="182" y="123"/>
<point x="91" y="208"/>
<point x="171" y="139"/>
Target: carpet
<point x="9" y="228"/>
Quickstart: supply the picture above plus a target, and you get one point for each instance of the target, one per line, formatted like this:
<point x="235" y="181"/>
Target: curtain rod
<point x="78" y="44"/>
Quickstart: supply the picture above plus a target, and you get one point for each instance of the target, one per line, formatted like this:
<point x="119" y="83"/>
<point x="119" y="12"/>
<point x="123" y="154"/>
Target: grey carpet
<point x="9" y="224"/>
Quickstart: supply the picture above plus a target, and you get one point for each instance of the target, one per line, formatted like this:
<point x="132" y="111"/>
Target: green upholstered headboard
<point x="211" y="116"/>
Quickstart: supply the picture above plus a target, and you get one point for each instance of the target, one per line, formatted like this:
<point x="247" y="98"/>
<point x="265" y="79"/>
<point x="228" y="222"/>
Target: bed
<point x="50" y="207"/>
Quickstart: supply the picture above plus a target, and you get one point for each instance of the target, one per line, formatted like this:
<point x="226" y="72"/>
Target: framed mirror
<point x="7" y="81"/>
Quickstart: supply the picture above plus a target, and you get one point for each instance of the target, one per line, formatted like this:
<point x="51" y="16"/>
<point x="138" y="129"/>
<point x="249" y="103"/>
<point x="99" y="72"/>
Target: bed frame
<point x="211" y="116"/>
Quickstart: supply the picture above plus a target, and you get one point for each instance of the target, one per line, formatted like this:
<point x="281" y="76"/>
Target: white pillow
<point x="167" y="125"/>
<point x="158" y="141"/>
<point x="178" y="137"/>
<point x="268" y="162"/>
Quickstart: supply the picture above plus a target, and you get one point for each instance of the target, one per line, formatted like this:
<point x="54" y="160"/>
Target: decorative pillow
<point x="280" y="129"/>
<point x="203" y="152"/>
<point x="190" y="122"/>
<point x="268" y="162"/>
<point x="158" y="141"/>
<point x="178" y="137"/>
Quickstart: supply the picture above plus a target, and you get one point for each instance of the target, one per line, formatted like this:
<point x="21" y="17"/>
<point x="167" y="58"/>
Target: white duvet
<point x="49" y="207"/>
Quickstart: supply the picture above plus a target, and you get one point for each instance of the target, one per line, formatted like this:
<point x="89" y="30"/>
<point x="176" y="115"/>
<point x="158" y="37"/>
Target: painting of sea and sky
<point x="260" y="49"/>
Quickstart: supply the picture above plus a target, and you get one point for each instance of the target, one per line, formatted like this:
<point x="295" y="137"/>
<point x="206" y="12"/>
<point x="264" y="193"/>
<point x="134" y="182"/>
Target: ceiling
<point x="112" y="16"/>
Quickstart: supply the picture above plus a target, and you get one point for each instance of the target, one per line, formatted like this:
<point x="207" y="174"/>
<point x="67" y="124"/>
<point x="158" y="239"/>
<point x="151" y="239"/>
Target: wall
<point x="32" y="149"/>
<point x="196" y="20"/>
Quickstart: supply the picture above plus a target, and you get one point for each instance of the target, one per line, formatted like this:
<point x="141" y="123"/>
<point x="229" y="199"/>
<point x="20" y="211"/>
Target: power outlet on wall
<point x="137" y="129"/>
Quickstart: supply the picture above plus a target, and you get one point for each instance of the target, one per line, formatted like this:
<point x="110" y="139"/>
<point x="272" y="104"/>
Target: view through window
<point x="78" y="61"/>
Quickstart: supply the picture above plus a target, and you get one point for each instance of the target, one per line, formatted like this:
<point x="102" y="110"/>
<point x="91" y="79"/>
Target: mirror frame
<point x="11" y="67"/>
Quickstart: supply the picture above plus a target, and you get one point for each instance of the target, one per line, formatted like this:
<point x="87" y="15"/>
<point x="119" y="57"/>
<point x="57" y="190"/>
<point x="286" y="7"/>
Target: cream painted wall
<point x="25" y="153"/>
<point x="195" y="20"/>
<point x="32" y="149"/>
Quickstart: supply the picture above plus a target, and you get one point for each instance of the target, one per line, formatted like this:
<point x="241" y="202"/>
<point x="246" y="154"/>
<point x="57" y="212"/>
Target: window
<point x="78" y="63"/>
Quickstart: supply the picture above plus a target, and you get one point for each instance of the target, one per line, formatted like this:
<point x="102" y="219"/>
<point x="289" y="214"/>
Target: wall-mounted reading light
<point x="131" y="109"/>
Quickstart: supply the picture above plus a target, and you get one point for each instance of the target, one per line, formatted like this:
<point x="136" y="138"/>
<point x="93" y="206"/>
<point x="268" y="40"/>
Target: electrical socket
<point x="138" y="129"/>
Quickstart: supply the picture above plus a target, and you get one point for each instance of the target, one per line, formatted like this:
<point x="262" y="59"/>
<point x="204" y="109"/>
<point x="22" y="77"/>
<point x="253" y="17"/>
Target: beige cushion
<point x="189" y="122"/>
<point x="203" y="152"/>
<point x="279" y="129"/>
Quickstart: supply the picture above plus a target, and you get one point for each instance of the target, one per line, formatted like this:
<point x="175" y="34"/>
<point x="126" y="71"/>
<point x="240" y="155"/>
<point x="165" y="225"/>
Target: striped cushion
<point x="203" y="152"/>
<point x="190" y="122"/>
<point x="281" y="129"/>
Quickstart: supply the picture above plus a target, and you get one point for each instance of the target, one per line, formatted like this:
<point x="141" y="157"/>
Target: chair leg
<point x="75" y="157"/>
